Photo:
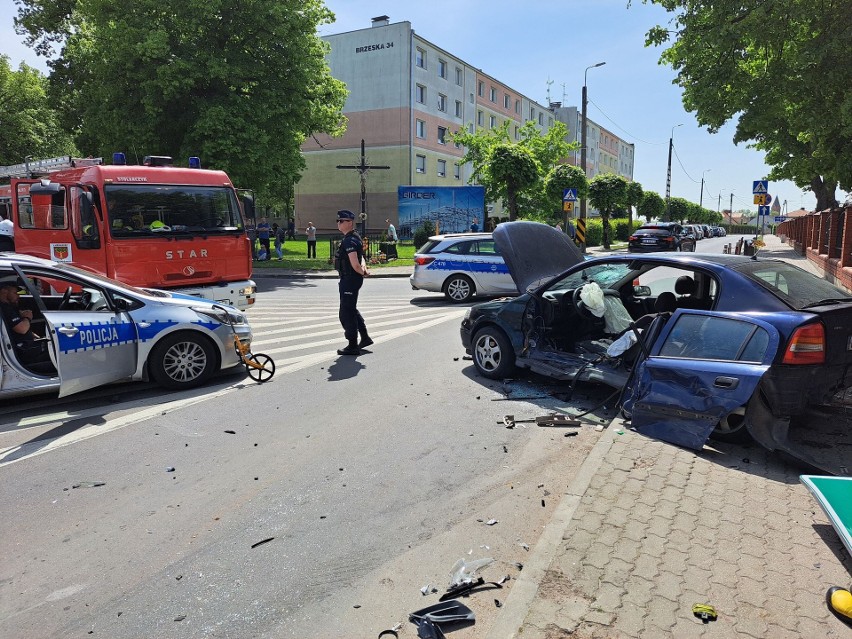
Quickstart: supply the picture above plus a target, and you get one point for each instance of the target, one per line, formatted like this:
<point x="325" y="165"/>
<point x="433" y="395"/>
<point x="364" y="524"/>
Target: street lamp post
<point x="669" y="170"/>
<point x="583" y="142"/>
<point x="701" y="197"/>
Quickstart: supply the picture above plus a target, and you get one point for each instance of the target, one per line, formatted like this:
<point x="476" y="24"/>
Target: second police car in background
<point x="98" y="331"/>
<point x="461" y="265"/>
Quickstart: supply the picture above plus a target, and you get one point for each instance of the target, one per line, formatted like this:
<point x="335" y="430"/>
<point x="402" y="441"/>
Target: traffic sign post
<point x="580" y="231"/>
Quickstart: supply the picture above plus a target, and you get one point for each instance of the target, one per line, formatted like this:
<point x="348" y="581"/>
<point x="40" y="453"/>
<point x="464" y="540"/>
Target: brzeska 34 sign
<point x="374" y="47"/>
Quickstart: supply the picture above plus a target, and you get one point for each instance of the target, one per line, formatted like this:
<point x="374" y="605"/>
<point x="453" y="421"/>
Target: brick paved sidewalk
<point x="660" y="528"/>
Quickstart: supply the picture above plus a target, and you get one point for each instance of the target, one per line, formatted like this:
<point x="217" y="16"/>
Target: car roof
<point x="7" y="259"/>
<point x="454" y="236"/>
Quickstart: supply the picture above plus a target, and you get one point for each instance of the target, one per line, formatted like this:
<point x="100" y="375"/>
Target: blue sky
<point x="528" y="44"/>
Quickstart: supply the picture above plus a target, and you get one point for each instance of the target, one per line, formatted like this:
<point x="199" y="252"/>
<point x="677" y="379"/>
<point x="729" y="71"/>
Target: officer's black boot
<point x="351" y="349"/>
<point x="365" y="341"/>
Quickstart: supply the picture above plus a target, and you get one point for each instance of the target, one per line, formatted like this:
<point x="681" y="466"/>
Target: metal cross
<point x="362" y="169"/>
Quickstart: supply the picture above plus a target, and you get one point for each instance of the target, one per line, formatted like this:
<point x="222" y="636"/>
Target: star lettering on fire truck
<point x="170" y="255"/>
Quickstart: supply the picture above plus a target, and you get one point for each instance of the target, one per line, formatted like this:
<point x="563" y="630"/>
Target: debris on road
<point x="491" y="522"/>
<point x="705" y="612"/>
<point x="262" y="541"/>
<point x="231" y="432"/>
<point x="170" y="469"/>
<point x="88" y="484"/>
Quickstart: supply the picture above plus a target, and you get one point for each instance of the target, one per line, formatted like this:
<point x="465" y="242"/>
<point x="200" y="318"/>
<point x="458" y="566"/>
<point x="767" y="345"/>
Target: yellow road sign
<point x="760" y="199"/>
<point x="567" y="207"/>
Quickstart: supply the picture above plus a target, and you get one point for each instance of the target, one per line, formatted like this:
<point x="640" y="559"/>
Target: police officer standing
<point x="349" y="263"/>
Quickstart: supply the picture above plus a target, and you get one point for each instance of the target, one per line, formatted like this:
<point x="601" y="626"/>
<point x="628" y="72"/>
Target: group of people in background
<point x="263" y="234"/>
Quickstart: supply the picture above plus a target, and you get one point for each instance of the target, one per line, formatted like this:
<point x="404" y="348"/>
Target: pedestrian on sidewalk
<point x="278" y="234"/>
<point x="263" y="238"/>
<point x="291" y="229"/>
<point x="392" y="237"/>
<point x="312" y="240"/>
<point x="349" y="263"/>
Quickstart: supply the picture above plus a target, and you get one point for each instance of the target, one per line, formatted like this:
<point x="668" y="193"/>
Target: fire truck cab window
<point x="148" y="210"/>
<point x="41" y="211"/>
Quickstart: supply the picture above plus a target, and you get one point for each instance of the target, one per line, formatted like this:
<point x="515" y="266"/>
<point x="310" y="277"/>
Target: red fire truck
<point x="152" y="225"/>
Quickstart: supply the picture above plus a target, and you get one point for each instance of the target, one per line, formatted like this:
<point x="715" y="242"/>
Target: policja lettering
<point x="98" y="335"/>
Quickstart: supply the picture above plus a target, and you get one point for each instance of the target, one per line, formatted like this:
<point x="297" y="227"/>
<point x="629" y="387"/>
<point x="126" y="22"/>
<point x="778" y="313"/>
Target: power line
<point x="624" y="130"/>
<point x="681" y="165"/>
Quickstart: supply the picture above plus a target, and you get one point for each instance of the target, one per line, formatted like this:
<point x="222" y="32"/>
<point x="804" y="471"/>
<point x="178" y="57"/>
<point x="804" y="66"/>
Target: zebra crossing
<point x="297" y="336"/>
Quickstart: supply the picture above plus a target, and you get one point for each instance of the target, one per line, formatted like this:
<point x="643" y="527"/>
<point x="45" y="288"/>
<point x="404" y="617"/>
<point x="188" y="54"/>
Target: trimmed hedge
<point x="619" y="230"/>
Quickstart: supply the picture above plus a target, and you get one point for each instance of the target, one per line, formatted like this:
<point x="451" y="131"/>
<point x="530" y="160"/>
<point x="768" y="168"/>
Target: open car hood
<point x="535" y="252"/>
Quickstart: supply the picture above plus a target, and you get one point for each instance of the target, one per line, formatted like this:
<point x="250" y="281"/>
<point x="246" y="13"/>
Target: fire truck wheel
<point x="182" y="360"/>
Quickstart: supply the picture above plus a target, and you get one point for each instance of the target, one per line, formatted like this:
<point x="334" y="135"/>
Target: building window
<point x="541" y="119"/>
<point x="492" y="121"/>
<point x="517" y="134"/>
<point x="442" y="168"/>
<point x="480" y="89"/>
<point x="480" y="118"/>
<point x="442" y="69"/>
<point x="442" y="102"/>
<point x="532" y="113"/>
<point x="420" y="58"/>
<point x="518" y="107"/>
<point x="459" y="76"/>
<point x="549" y="121"/>
<point x="420" y="94"/>
<point x="470" y="127"/>
<point x="442" y="135"/>
<point x="458" y="108"/>
<point x="420" y="164"/>
<point x="457" y="171"/>
<point x="421" y="129"/>
<point x="506" y="101"/>
<point x="471" y="98"/>
<point x="492" y="94"/>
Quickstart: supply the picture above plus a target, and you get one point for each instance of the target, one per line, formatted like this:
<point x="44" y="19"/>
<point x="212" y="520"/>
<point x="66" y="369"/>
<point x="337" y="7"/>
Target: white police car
<point x="461" y="265"/>
<point x="91" y="330"/>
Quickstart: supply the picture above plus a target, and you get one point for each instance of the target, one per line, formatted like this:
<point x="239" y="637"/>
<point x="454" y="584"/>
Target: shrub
<point x="423" y="233"/>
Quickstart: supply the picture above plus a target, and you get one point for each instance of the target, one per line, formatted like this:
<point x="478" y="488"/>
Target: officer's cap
<point x="345" y="215"/>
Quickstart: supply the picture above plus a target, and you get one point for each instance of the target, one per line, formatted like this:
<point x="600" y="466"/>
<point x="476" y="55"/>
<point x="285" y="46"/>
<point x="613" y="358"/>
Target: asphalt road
<point x="315" y="505"/>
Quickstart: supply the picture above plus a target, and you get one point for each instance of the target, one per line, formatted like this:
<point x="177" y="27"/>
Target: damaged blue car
<point x="699" y="345"/>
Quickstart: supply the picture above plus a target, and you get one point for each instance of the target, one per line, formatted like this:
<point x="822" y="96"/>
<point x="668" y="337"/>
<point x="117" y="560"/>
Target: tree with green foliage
<point x="678" y="210"/>
<point x="561" y="177"/>
<point x="607" y="193"/>
<point x="239" y="83"/>
<point x="634" y="198"/>
<point x="515" y="167"/>
<point x="652" y="206"/>
<point x="29" y="125"/>
<point x="781" y="69"/>
<point x="547" y="150"/>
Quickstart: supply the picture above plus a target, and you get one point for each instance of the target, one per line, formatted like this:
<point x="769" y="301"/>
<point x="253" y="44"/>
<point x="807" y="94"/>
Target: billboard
<point x="453" y="207"/>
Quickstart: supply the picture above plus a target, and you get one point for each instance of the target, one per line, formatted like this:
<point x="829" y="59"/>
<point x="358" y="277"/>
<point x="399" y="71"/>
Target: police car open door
<point x="92" y="342"/>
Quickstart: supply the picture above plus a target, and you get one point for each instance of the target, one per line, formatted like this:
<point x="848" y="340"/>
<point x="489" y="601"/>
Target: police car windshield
<point x="148" y="210"/>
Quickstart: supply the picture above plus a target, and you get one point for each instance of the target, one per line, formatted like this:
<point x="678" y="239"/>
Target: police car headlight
<point x="221" y="315"/>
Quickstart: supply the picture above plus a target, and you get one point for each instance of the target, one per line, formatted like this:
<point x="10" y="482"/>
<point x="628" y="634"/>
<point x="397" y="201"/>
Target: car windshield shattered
<point x="793" y="285"/>
<point x="153" y="209"/>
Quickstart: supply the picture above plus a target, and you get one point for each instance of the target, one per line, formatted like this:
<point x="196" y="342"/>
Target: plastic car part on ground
<point x="839" y="601"/>
<point x="463" y="572"/>
<point x="445" y="612"/>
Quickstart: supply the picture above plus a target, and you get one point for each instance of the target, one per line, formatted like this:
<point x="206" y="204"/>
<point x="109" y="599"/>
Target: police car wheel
<point x="493" y="355"/>
<point x="732" y="428"/>
<point x="182" y="360"/>
<point x="458" y="288"/>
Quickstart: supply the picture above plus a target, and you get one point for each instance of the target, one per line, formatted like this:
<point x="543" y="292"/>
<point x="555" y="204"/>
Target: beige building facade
<point x="406" y="97"/>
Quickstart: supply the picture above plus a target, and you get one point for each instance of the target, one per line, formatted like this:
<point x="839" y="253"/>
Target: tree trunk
<point x="824" y="194"/>
<point x="605" y="224"/>
<point x="512" y="201"/>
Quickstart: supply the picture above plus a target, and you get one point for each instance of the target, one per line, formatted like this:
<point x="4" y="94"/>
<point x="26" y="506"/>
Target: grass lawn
<point x="295" y="252"/>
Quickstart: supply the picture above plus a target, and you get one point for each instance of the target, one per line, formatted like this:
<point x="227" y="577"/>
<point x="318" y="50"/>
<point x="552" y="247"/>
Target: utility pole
<point x="583" y="147"/>
<point x="669" y="171"/>
<point x="719" y="203"/>
<point x="731" y="209"/>
<point x="701" y="197"/>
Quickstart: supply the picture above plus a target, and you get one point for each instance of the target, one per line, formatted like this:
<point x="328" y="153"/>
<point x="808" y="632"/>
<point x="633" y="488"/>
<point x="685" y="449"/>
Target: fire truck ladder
<point x="43" y="167"/>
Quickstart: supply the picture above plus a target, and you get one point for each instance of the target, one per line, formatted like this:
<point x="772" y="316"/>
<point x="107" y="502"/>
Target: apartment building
<point x="406" y="96"/>
<point x="606" y="152"/>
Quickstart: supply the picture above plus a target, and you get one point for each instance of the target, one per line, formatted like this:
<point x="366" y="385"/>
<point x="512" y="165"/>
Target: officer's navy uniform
<point x="350" y="284"/>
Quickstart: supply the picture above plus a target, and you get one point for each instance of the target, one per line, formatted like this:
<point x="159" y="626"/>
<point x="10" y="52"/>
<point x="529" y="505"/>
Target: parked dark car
<point x="734" y="346"/>
<point x="665" y="236"/>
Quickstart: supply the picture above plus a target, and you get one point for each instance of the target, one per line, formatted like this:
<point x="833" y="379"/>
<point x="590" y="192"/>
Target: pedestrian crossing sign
<point x="567" y="207"/>
<point x="760" y="199"/>
<point x="760" y="186"/>
<point x="569" y="195"/>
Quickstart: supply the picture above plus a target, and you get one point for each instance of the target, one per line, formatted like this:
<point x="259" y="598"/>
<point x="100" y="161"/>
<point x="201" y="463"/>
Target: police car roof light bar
<point x="43" y="167"/>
